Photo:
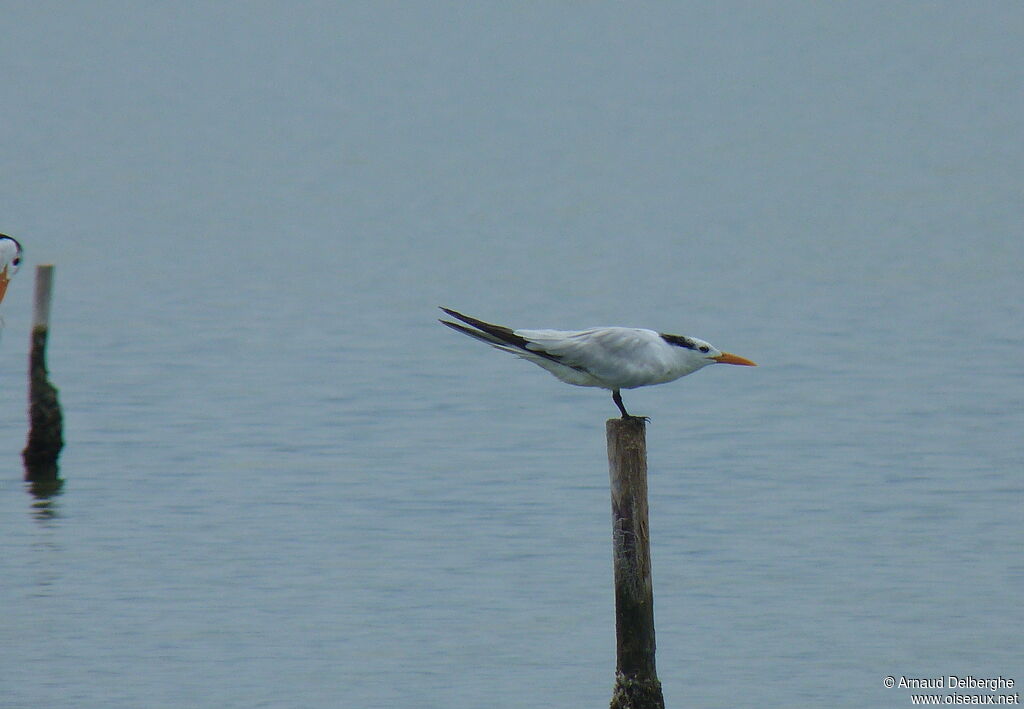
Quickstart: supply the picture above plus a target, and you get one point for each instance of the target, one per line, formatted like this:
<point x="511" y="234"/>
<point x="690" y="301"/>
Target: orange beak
<point x="726" y="358"/>
<point x="3" y="283"/>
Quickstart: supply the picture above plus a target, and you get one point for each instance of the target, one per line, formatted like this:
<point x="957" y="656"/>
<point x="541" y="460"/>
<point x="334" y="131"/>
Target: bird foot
<point x="631" y="417"/>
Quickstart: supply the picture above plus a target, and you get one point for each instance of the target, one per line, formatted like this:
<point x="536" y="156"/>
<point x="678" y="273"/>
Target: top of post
<point x="44" y="289"/>
<point x="635" y="425"/>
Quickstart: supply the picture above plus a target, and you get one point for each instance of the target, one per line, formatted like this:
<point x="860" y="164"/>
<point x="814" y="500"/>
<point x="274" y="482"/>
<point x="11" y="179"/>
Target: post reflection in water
<point x="45" y="490"/>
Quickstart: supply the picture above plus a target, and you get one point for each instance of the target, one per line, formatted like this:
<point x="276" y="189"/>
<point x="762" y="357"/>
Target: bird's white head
<point x="699" y="353"/>
<point x="10" y="260"/>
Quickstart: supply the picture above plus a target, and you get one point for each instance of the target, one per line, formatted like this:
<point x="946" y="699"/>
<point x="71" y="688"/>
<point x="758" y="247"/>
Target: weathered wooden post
<point x="45" y="436"/>
<point x="636" y="681"/>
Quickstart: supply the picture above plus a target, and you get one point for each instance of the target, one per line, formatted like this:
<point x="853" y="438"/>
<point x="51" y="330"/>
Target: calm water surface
<point x="287" y="486"/>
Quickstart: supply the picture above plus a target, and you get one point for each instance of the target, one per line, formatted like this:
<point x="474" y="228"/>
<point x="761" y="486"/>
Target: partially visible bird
<point x="10" y="260"/>
<point x="612" y="358"/>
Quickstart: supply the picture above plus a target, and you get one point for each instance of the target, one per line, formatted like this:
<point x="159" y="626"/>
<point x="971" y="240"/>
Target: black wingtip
<point x="454" y="313"/>
<point x="456" y="326"/>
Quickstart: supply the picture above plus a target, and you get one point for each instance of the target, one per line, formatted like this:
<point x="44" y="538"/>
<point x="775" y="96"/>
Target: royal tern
<point x="10" y="259"/>
<point x="607" y="357"/>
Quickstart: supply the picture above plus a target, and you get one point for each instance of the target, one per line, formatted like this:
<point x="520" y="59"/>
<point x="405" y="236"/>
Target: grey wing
<point x="617" y="355"/>
<point x="507" y="340"/>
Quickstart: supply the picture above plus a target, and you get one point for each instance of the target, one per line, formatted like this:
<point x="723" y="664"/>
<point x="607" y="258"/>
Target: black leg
<point x="617" y="398"/>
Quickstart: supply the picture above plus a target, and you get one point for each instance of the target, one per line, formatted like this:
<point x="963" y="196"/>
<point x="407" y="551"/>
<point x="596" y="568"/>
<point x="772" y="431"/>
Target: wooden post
<point x="636" y="681"/>
<point x="45" y="437"/>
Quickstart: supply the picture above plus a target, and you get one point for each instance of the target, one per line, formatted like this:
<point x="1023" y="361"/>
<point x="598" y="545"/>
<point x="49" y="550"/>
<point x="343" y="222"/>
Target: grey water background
<point x="288" y="486"/>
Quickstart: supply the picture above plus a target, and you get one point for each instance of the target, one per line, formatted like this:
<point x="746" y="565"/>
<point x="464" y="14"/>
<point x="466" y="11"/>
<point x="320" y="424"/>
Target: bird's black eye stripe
<point x="679" y="341"/>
